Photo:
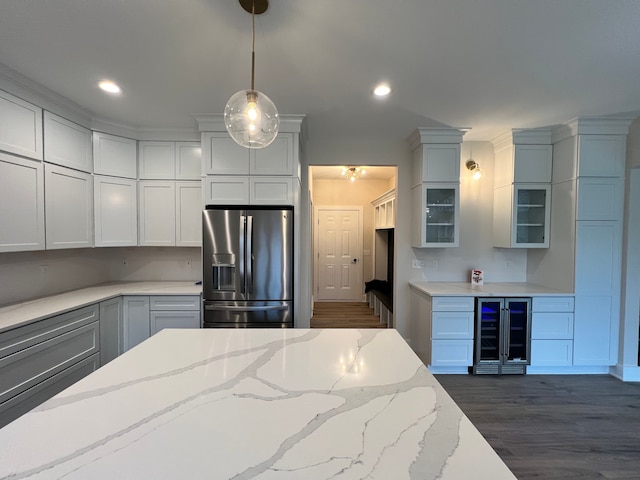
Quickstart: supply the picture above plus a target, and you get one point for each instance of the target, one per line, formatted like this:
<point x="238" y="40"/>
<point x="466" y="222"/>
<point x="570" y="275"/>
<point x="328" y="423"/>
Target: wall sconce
<point x="474" y="168"/>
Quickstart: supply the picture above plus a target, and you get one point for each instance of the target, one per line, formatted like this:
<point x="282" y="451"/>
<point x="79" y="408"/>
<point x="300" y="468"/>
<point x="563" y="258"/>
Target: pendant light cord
<point x="253" y="41"/>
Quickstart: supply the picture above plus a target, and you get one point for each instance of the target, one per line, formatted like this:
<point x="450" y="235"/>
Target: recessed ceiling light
<point x="109" y="87"/>
<point x="382" y="90"/>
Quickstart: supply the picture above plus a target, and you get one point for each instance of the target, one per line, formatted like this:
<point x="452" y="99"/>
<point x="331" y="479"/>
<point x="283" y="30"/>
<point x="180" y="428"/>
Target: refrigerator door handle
<point x="249" y="261"/>
<point x="241" y="257"/>
<point x="246" y="309"/>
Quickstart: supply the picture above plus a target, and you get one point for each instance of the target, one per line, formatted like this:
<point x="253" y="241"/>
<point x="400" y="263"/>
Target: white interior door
<point x="339" y="253"/>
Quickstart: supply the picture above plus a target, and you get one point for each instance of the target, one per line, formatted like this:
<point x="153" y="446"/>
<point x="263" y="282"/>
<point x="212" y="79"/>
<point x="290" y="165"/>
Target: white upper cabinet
<point x="157" y="207"/>
<point x="113" y="155"/>
<point x="276" y="159"/>
<point x="188" y="160"/>
<point x="188" y="214"/>
<point x="225" y="157"/>
<point x="20" y="127"/>
<point x="170" y="213"/>
<point x="521" y="216"/>
<point x="436" y="163"/>
<point x="67" y="143"/>
<point x="436" y="211"/>
<point x="116" y="212"/>
<point x="522" y="189"/>
<point x="435" y="188"/>
<point x="169" y="160"/>
<point x="21" y="204"/>
<point x="523" y="156"/>
<point x="601" y="155"/>
<point x="157" y="160"/>
<point x="69" y="208"/>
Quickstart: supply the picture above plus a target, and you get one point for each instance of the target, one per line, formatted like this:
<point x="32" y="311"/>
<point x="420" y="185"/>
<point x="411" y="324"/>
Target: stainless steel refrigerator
<point x="247" y="263"/>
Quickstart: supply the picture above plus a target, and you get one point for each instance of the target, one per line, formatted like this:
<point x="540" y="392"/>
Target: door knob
<point x="355" y="260"/>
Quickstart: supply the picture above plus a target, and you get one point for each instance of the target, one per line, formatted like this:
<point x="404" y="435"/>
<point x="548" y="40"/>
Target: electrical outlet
<point x="44" y="268"/>
<point x="417" y="263"/>
<point x="125" y="262"/>
<point x="189" y="262"/>
<point x="434" y="265"/>
<point x="507" y="264"/>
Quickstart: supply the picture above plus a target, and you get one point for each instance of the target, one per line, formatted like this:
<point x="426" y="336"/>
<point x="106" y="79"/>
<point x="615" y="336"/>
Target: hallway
<point x="344" y="315"/>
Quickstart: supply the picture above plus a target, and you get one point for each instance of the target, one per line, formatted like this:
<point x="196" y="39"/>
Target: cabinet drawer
<point x="28" y="367"/>
<point x="551" y="353"/>
<point x="452" y="353"/>
<point x="31" y="398"/>
<point x="552" y="304"/>
<point x="161" y="320"/>
<point x="452" y="325"/>
<point x="453" y="304"/>
<point x="552" y="325"/>
<point x="24" y="337"/>
<point x="175" y="302"/>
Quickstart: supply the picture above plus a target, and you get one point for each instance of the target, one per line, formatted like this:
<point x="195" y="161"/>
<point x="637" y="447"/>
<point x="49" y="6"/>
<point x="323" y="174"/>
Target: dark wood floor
<point x="555" y="426"/>
<point x="344" y="315"/>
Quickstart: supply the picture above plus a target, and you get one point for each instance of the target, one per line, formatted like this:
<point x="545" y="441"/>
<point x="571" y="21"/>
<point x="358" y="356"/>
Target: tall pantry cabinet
<point x="586" y="233"/>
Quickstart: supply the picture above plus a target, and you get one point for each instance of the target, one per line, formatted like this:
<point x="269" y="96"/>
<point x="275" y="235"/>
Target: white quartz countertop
<point x="253" y="403"/>
<point x="487" y="290"/>
<point x="22" y="313"/>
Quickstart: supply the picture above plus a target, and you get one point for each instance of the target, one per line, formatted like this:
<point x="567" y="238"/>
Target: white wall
<point x="630" y="300"/>
<point x="476" y="231"/>
<point x="28" y="275"/>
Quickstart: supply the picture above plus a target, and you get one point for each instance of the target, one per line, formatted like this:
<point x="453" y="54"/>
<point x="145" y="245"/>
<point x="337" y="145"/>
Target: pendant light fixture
<point x="250" y="116"/>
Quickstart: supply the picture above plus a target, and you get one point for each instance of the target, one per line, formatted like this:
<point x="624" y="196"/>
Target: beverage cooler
<point x="502" y="336"/>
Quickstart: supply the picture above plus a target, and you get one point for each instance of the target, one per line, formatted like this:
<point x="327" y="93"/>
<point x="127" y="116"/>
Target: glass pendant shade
<point x="251" y="118"/>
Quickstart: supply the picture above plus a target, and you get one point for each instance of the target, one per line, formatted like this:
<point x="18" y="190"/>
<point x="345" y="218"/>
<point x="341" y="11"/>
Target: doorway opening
<point x="339" y="288"/>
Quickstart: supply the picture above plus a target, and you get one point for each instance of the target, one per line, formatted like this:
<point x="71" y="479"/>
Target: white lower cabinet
<point x="116" y="211"/>
<point x="135" y="319"/>
<point x="452" y="321"/>
<point x="21" y="204"/>
<point x="552" y="324"/>
<point x="69" y="208"/>
<point x="442" y="331"/>
<point x="40" y="359"/>
<point x="146" y="315"/>
<point x="110" y="329"/>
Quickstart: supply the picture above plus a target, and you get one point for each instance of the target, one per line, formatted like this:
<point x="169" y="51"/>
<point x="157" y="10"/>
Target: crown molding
<point x="167" y="134"/>
<point x="30" y="91"/>
<point x="289" y="123"/>
<point x="522" y="136"/>
<point x="436" y="135"/>
<point x="592" y="126"/>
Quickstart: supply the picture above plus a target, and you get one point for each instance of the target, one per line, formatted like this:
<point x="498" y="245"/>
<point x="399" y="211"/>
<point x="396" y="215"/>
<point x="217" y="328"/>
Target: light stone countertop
<point x="263" y="404"/>
<point x="487" y="290"/>
<point x="22" y="313"/>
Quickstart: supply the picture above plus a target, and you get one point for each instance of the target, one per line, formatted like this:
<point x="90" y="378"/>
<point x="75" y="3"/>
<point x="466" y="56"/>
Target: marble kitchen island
<point x="263" y="404"/>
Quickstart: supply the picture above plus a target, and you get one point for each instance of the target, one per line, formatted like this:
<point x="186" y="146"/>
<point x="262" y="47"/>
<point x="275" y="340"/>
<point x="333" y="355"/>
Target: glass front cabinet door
<point x="436" y="215"/>
<point x="522" y="216"/>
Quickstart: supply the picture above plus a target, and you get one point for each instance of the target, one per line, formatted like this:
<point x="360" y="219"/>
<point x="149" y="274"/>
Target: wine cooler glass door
<point x="517" y="330"/>
<point x="488" y="325"/>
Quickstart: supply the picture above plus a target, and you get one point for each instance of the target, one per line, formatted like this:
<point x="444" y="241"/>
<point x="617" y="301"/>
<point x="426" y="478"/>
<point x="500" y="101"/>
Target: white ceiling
<point x="490" y="65"/>
<point x="335" y="172"/>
